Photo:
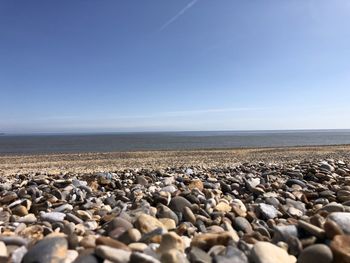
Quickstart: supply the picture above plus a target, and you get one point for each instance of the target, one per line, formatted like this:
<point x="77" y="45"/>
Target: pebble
<point x="146" y="223"/>
<point x="267" y="211"/>
<point x="137" y="257"/>
<point x="198" y="255"/>
<point x="3" y="251"/>
<point x="170" y="241"/>
<point x="53" y="216"/>
<point x="107" y="241"/>
<point x="342" y="219"/>
<point x="173" y="256"/>
<point x="47" y="250"/>
<point x="264" y="252"/>
<point x="206" y="241"/>
<point x="242" y="224"/>
<point x="178" y="203"/>
<point x="340" y="246"/>
<point x="319" y="253"/>
<point x="113" y="254"/>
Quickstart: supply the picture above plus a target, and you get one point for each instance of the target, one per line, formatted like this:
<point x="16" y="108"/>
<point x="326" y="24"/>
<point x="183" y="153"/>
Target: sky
<point x="174" y="65"/>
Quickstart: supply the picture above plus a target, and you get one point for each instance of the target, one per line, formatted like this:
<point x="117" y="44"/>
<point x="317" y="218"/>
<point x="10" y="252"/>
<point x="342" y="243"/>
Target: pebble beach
<point x="238" y="206"/>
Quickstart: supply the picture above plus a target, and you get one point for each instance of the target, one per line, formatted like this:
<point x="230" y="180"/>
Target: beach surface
<point x="116" y="161"/>
<point x="272" y="205"/>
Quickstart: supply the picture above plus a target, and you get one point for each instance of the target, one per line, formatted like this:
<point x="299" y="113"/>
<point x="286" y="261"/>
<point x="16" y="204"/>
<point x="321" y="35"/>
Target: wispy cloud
<point x="180" y="13"/>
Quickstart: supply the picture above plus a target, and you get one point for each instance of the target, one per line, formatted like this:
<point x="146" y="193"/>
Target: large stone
<point x="198" y="255"/>
<point x="178" y="203"/>
<point x="265" y="252"/>
<point x="340" y="246"/>
<point x="207" y="240"/>
<point x="113" y="254"/>
<point x="173" y="256"/>
<point x="3" y="252"/>
<point x="146" y="223"/>
<point x="107" y="241"/>
<point x="267" y="211"/>
<point x="52" y="216"/>
<point x="137" y="257"/>
<point x="242" y="224"/>
<point x="319" y="253"/>
<point x="342" y="219"/>
<point x="223" y="207"/>
<point x="47" y="250"/>
<point x="170" y="241"/>
<point x="196" y="183"/>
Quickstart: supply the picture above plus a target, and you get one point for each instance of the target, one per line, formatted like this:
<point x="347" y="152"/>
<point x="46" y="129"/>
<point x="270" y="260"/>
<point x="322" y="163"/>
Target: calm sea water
<point x="167" y="141"/>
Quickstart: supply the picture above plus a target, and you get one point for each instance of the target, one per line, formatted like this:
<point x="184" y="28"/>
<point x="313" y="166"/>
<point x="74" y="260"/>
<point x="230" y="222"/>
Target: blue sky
<point x="166" y="65"/>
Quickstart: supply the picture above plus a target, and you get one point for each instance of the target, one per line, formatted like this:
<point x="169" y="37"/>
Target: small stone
<point x="171" y="241"/>
<point x="20" y="210"/>
<point x="284" y="232"/>
<point x="188" y="215"/>
<point x="130" y="236"/>
<point x="3" y="251"/>
<point x="141" y="180"/>
<point x="332" y="229"/>
<point x="137" y="246"/>
<point x="207" y="240"/>
<point x="107" y="241"/>
<point x="231" y="255"/>
<point x="146" y="223"/>
<point x="327" y="167"/>
<point x="27" y="219"/>
<point x="8" y="198"/>
<point x="319" y="253"/>
<point x="178" y="203"/>
<point x="342" y="219"/>
<point x="71" y="256"/>
<point x="88" y="258"/>
<point x="333" y="207"/>
<point x="47" y="250"/>
<point x="168" y="223"/>
<point x="64" y="207"/>
<point x="267" y="211"/>
<point x="52" y="216"/>
<point x="165" y="212"/>
<point x="88" y="242"/>
<point x="264" y="252"/>
<point x="312" y="229"/>
<point x="137" y="257"/>
<point x="242" y="224"/>
<point x="197" y="255"/>
<point x="197" y="183"/>
<point x="18" y="254"/>
<point x="4" y="216"/>
<point x="113" y="254"/>
<point x="173" y="256"/>
<point x="340" y="246"/>
<point x="223" y="207"/>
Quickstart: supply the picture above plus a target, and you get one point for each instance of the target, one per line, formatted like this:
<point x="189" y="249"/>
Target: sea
<point x="140" y="141"/>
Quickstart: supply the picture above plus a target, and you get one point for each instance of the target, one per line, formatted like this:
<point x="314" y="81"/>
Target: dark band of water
<point x="34" y="144"/>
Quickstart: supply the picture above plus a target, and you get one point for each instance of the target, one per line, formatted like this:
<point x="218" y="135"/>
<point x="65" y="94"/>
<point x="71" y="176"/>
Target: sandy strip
<point x="114" y="161"/>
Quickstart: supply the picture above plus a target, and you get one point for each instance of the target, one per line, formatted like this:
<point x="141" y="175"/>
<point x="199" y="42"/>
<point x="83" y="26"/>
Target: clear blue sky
<point x="115" y="65"/>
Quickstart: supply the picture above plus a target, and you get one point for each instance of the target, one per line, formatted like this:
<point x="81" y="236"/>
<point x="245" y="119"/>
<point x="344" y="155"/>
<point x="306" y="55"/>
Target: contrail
<point x="174" y="18"/>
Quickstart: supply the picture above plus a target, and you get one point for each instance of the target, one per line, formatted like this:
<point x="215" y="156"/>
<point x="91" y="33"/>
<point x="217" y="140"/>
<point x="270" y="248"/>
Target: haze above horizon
<point x="106" y="66"/>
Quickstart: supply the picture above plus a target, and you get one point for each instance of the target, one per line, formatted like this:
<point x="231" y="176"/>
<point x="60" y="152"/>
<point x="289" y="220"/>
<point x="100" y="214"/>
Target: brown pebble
<point x="107" y="241"/>
<point x="340" y="246"/>
<point x="332" y="229"/>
